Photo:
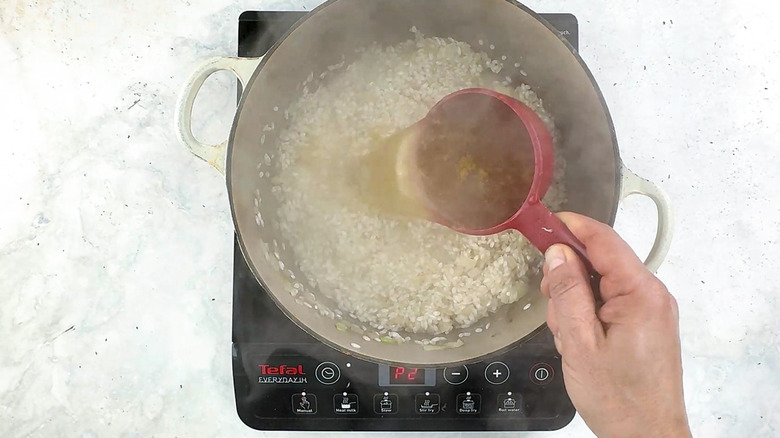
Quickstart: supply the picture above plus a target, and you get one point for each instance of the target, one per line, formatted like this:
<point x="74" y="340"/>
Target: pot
<point x="596" y="179"/>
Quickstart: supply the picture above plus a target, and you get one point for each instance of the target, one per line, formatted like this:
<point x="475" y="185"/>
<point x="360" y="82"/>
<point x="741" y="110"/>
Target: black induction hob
<point x="285" y="379"/>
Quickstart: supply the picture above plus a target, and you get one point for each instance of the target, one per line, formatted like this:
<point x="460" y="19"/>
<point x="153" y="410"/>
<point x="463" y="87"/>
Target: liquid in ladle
<point x="468" y="165"/>
<point x="474" y="163"/>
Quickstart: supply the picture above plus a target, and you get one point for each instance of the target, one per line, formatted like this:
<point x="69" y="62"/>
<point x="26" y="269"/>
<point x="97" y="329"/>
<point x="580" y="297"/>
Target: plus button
<point x="497" y="373"/>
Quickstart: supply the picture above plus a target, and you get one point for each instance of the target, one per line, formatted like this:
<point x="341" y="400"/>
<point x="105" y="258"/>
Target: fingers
<point x="654" y="304"/>
<point x="621" y="269"/>
<point x="572" y="309"/>
<point x="552" y="324"/>
<point x="552" y="319"/>
<point x="558" y="344"/>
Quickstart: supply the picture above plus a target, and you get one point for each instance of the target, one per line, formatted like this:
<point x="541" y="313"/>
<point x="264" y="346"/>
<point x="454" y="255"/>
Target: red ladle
<point x="480" y="162"/>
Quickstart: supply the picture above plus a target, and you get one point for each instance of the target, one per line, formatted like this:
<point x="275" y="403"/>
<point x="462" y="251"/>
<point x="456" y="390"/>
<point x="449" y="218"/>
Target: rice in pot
<point x="390" y="273"/>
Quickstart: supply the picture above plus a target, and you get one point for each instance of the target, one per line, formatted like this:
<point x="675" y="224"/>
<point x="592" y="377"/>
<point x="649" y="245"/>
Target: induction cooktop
<point x="285" y="379"/>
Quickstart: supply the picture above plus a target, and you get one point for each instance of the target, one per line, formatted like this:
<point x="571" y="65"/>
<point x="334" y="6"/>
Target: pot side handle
<point x="635" y="185"/>
<point x="212" y="154"/>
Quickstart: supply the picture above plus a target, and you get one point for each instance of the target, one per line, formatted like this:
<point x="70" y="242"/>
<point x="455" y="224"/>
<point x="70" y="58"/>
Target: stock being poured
<point x="480" y="163"/>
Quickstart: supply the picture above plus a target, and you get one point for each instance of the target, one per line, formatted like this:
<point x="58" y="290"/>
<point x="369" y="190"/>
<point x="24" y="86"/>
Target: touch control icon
<point x="304" y="403"/>
<point x="427" y="403"/>
<point x="327" y="373"/>
<point x="456" y="375"/>
<point x="345" y="403"/>
<point x="468" y="403"/>
<point x="509" y="402"/>
<point x="386" y="403"/>
<point x="497" y="373"/>
<point x="541" y="373"/>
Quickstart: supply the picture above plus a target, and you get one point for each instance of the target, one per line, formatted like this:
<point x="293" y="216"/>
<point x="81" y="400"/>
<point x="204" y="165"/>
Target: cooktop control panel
<point x="284" y="379"/>
<point x="312" y="387"/>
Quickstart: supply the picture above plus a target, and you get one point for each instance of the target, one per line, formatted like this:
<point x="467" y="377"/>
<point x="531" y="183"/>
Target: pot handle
<point x="212" y="154"/>
<point x="634" y="185"/>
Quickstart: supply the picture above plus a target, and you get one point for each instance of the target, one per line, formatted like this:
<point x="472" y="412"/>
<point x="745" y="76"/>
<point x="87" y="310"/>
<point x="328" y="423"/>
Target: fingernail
<point x="554" y="257"/>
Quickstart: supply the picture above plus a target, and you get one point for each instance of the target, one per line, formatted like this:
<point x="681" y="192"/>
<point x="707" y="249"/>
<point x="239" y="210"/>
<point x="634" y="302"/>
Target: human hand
<point x="621" y="362"/>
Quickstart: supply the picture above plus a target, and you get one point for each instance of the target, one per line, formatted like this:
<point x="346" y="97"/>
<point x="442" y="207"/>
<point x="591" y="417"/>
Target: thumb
<point x="567" y="285"/>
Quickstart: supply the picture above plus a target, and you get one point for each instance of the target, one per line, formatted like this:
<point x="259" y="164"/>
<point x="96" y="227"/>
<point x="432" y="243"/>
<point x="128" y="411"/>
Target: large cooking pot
<point x="596" y="179"/>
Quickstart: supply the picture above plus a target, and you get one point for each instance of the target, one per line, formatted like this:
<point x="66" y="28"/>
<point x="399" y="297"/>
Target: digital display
<point x="407" y="376"/>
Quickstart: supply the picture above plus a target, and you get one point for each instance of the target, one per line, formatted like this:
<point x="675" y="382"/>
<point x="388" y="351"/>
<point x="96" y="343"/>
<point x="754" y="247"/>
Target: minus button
<point x="456" y="375"/>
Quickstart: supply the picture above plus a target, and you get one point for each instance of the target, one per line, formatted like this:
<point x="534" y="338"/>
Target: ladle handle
<point x="544" y="229"/>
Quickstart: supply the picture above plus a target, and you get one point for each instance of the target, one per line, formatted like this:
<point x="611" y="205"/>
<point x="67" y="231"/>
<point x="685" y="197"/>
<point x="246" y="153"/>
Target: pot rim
<point x="354" y="352"/>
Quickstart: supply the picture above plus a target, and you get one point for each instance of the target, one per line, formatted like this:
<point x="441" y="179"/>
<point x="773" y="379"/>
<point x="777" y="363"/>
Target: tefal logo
<point x="282" y="370"/>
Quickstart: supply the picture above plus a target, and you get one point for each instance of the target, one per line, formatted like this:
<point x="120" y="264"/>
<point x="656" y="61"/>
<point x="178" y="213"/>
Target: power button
<point x="541" y="373"/>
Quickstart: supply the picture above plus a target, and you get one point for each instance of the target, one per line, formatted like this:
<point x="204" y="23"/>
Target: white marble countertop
<point x="116" y="244"/>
